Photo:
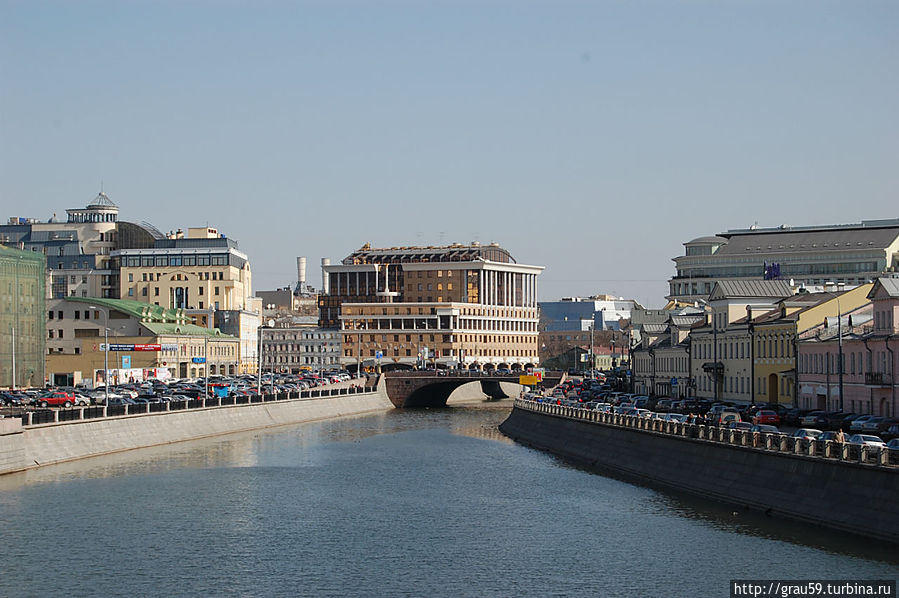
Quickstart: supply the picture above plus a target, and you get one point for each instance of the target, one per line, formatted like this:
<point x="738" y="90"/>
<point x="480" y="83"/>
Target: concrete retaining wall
<point x="851" y="497"/>
<point x="33" y="446"/>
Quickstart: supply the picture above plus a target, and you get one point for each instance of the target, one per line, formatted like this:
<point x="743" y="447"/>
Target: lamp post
<point x="14" y="357"/>
<point x="105" y="351"/>
<point x="206" y="369"/>
<point x="259" y="362"/>
<point x="840" y="349"/>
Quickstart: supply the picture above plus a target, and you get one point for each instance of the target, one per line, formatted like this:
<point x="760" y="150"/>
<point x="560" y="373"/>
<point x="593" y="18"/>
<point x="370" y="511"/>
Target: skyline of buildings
<point x="460" y="305"/>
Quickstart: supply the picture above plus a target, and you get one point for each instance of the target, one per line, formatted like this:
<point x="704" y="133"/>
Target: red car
<point x="56" y="398"/>
<point x="765" y="416"/>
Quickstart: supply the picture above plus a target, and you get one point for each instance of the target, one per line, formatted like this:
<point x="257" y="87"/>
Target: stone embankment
<point x="853" y="495"/>
<point x="28" y="446"/>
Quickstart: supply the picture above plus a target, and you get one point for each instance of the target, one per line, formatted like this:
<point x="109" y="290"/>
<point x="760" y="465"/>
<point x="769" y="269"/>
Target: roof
<point x="889" y="285"/>
<point x="445" y="253"/>
<point x="102" y="201"/>
<point x="19" y="254"/>
<point x="184" y="329"/>
<point x="809" y="241"/>
<point x="145" y="312"/>
<point x="687" y="320"/>
<point x="654" y="328"/>
<point x="713" y="240"/>
<point x="732" y="289"/>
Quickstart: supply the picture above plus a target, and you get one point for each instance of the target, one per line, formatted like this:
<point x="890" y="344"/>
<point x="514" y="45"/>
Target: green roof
<point x="12" y="252"/>
<point x="156" y="319"/>
<point x="184" y="329"/>
<point x="145" y="312"/>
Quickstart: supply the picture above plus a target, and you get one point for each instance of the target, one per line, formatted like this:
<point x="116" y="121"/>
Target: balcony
<point x="877" y="379"/>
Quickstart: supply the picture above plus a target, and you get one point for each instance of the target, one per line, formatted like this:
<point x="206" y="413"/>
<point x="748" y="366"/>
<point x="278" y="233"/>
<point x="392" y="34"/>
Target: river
<point x="405" y="503"/>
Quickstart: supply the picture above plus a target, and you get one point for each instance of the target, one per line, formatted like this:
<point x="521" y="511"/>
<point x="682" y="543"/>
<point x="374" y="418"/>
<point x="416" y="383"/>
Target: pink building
<point x="870" y="349"/>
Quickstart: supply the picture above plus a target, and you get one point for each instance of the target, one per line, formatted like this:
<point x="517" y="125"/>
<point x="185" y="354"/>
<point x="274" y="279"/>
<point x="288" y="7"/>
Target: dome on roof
<point x="713" y="240"/>
<point x="102" y="201"/>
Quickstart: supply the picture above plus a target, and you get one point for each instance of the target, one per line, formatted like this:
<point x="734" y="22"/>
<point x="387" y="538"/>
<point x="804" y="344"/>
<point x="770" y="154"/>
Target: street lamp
<point x="105" y="351"/>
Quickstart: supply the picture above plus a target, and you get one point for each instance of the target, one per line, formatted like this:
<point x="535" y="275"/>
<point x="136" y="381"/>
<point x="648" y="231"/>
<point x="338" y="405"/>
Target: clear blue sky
<point x="593" y="138"/>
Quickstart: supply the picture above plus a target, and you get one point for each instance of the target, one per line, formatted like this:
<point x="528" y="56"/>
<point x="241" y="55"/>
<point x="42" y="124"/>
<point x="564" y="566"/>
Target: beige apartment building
<point x="468" y="306"/>
<point x="201" y="273"/>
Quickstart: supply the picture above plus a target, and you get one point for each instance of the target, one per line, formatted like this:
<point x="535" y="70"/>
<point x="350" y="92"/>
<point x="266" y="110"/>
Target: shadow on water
<point x="743" y="520"/>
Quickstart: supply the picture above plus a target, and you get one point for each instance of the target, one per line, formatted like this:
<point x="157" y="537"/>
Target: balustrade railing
<point x="777" y="443"/>
<point x="76" y="414"/>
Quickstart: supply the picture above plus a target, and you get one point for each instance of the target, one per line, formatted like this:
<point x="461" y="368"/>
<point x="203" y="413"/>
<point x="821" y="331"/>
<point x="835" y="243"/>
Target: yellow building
<point x="775" y="335"/>
<point x="200" y="274"/>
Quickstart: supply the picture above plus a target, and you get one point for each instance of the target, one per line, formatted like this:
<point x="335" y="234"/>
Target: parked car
<point x="871" y="426"/>
<point x="891" y="433"/>
<point x="724" y="418"/>
<point x="847" y="421"/>
<point x="885" y="425"/>
<point x="814" y="418"/>
<point x="865" y="440"/>
<point x="675" y="417"/>
<point x="739" y="425"/>
<point x="807" y="433"/>
<point x="57" y="398"/>
<point x="791" y="416"/>
<point x="765" y="429"/>
<point x="858" y="423"/>
<point x="893" y="444"/>
<point x="766" y="416"/>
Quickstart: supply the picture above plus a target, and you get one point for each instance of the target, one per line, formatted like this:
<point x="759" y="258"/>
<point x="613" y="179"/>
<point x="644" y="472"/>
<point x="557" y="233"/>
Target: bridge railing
<point x="776" y="443"/>
<point x="79" y="414"/>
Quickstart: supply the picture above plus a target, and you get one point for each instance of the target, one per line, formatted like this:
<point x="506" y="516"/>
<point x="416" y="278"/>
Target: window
<point x="201" y="290"/>
<point x="77" y="315"/>
<point x="50" y="315"/>
<point x="156" y="291"/>
<point x="216" y="290"/>
<point x="131" y="291"/>
<point x="60" y="335"/>
<point x="143" y="292"/>
<point x="59" y="315"/>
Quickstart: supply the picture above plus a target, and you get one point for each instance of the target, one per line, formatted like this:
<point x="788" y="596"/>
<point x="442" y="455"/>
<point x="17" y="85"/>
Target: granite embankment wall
<point x="846" y="496"/>
<point x="26" y="447"/>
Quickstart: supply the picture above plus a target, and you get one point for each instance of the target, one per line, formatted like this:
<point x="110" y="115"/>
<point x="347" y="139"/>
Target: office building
<point x="468" y="306"/>
<point x="849" y="254"/>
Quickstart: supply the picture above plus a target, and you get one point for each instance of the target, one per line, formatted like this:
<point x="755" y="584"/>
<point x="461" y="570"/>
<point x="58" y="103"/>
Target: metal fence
<point x="778" y="443"/>
<point x="52" y="416"/>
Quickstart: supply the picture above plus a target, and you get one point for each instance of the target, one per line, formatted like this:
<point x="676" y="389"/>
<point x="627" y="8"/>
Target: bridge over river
<point x="432" y="388"/>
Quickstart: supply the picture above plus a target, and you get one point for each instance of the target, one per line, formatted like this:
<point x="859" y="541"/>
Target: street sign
<point x="528" y="380"/>
<point x="674" y="382"/>
<point x="198" y="359"/>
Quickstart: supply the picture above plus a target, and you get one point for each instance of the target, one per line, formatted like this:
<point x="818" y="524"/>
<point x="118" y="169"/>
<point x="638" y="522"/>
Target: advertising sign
<point x="121" y="347"/>
<point x="126" y="362"/>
